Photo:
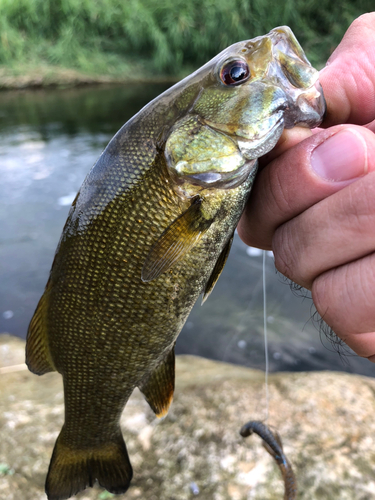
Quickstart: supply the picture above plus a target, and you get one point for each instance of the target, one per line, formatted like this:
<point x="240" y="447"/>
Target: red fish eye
<point x="234" y="73"/>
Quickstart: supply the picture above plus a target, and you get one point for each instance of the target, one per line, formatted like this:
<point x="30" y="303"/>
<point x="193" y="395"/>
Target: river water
<point x="48" y="142"/>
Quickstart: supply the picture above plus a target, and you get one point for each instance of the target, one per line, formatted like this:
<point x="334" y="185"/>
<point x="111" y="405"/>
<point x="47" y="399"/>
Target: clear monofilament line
<point x="265" y="334"/>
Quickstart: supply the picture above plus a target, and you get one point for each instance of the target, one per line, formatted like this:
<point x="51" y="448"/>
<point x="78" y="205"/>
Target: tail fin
<point x="72" y="470"/>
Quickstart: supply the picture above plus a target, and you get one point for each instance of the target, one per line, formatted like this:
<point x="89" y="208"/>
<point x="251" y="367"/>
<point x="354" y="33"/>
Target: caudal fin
<point x="72" y="470"/>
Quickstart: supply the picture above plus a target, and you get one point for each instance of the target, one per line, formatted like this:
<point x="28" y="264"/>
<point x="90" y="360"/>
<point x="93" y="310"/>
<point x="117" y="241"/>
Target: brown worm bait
<point x="272" y="443"/>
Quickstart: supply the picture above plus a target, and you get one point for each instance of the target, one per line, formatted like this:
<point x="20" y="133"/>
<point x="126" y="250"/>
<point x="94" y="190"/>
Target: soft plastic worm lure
<point x="272" y="443"/>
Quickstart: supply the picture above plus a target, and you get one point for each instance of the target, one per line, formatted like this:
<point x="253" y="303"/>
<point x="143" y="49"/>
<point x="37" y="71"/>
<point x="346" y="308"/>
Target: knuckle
<point x="293" y="257"/>
<point x="345" y="296"/>
<point x="280" y="194"/>
<point x="366" y="19"/>
<point x="286" y="256"/>
<point x="361" y="26"/>
<point x="358" y="207"/>
<point x="322" y="289"/>
<point x="330" y="298"/>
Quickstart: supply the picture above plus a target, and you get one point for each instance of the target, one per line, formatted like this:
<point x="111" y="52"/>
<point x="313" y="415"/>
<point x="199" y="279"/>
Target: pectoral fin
<point x="159" y="387"/>
<point x="219" y="266"/>
<point x="180" y="237"/>
<point x="38" y="357"/>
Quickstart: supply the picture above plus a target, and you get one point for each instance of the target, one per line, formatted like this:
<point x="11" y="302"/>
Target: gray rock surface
<point x="326" y="421"/>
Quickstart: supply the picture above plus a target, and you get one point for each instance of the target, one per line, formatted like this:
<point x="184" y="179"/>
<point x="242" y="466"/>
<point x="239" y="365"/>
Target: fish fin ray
<point x="72" y="470"/>
<point x="180" y="237"/>
<point x="219" y="266"/>
<point x="158" y="388"/>
<point x="38" y="357"/>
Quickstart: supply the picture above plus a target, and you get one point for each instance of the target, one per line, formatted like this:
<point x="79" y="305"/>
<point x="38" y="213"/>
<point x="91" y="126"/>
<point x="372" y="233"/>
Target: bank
<point x="38" y="76"/>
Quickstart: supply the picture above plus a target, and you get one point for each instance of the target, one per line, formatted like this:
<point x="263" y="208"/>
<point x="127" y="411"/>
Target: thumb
<point x="348" y="80"/>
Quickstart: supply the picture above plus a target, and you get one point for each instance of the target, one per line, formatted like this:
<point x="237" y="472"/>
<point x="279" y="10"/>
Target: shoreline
<point x="54" y="77"/>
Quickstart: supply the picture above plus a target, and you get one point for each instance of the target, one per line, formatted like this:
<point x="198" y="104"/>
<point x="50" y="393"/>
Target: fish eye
<point x="234" y="72"/>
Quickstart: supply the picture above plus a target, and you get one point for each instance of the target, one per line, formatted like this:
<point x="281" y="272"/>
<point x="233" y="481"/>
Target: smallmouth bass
<point x="149" y="231"/>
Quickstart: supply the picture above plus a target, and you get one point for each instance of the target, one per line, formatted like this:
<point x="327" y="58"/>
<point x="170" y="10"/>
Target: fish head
<point x="244" y="98"/>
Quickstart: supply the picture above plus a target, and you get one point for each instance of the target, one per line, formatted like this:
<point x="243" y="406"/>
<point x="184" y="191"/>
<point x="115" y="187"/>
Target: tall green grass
<point x="166" y="36"/>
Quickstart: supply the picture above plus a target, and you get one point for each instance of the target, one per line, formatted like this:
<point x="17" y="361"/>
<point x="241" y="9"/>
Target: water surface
<point x="49" y="140"/>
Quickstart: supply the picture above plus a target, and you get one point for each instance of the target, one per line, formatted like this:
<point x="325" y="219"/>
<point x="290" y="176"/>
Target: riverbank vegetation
<point x="143" y="39"/>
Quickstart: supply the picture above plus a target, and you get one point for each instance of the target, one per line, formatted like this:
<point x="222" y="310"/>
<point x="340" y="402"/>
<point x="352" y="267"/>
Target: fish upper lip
<point x="259" y="144"/>
<point x="266" y="133"/>
<point x="256" y="137"/>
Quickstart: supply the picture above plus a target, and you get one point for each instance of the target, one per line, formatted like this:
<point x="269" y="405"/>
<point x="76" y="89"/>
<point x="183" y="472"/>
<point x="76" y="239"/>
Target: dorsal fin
<point x="158" y="388"/>
<point x="38" y="357"/>
<point x="217" y="270"/>
<point x="176" y="241"/>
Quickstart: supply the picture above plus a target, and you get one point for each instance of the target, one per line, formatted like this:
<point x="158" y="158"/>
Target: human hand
<point x="313" y="202"/>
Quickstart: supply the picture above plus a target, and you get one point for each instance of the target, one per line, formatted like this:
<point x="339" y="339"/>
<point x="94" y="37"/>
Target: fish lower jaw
<point x="189" y="186"/>
<point x="252" y="149"/>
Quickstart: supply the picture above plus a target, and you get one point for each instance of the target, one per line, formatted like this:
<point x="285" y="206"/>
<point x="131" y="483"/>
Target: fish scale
<point x="149" y="231"/>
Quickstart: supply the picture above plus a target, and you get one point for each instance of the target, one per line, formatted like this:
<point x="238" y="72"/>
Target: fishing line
<point x="265" y="335"/>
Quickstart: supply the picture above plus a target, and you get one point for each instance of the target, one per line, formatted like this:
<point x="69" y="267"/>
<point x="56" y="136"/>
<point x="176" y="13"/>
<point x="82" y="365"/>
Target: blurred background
<point x="52" y="134"/>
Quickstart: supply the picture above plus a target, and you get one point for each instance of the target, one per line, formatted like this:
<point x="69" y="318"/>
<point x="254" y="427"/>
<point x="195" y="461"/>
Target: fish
<point x="150" y="231"/>
<point x="273" y="444"/>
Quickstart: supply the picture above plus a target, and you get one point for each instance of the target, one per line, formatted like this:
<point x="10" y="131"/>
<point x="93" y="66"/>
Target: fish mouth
<point x="262" y="144"/>
<point x="229" y="180"/>
<point x="255" y="141"/>
<point x="262" y="140"/>
<point x="309" y="110"/>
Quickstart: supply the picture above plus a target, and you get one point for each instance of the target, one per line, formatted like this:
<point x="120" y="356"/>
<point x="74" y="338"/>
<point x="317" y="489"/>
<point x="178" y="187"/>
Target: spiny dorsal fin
<point x="158" y="388"/>
<point x="180" y="237"/>
<point x="38" y="357"/>
<point x="219" y="266"/>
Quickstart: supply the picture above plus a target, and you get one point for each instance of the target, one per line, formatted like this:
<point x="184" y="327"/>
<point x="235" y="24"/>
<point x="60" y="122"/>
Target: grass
<point x="131" y="39"/>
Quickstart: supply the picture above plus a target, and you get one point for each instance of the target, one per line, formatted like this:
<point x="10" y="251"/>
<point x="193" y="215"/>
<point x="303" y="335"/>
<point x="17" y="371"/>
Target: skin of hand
<point x="313" y="202"/>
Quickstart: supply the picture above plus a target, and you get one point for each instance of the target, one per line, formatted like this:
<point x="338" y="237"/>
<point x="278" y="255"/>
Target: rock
<point x="326" y="421"/>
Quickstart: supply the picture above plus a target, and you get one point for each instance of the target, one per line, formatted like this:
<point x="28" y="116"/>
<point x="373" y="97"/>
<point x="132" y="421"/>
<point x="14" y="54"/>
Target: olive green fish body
<point x="126" y="327"/>
<point x="149" y="231"/>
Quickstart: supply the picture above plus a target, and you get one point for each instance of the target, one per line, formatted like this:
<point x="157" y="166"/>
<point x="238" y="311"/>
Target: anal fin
<point x="38" y="357"/>
<point x="158" y="388"/>
<point x="219" y="266"/>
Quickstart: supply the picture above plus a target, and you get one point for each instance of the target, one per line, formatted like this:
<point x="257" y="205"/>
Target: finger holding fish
<point x="321" y="231"/>
<point x="348" y="79"/>
<point x="296" y="180"/>
<point x="314" y="204"/>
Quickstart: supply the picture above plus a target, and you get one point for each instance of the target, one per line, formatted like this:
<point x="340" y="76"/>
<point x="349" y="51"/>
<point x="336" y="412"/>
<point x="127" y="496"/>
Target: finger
<point x="337" y="230"/>
<point x="304" y="175"/>
<point x="371" y="126"/>
<point x="348" y="80"/>
<point x="345" y="298"/>
<point x="289" y="138"/>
